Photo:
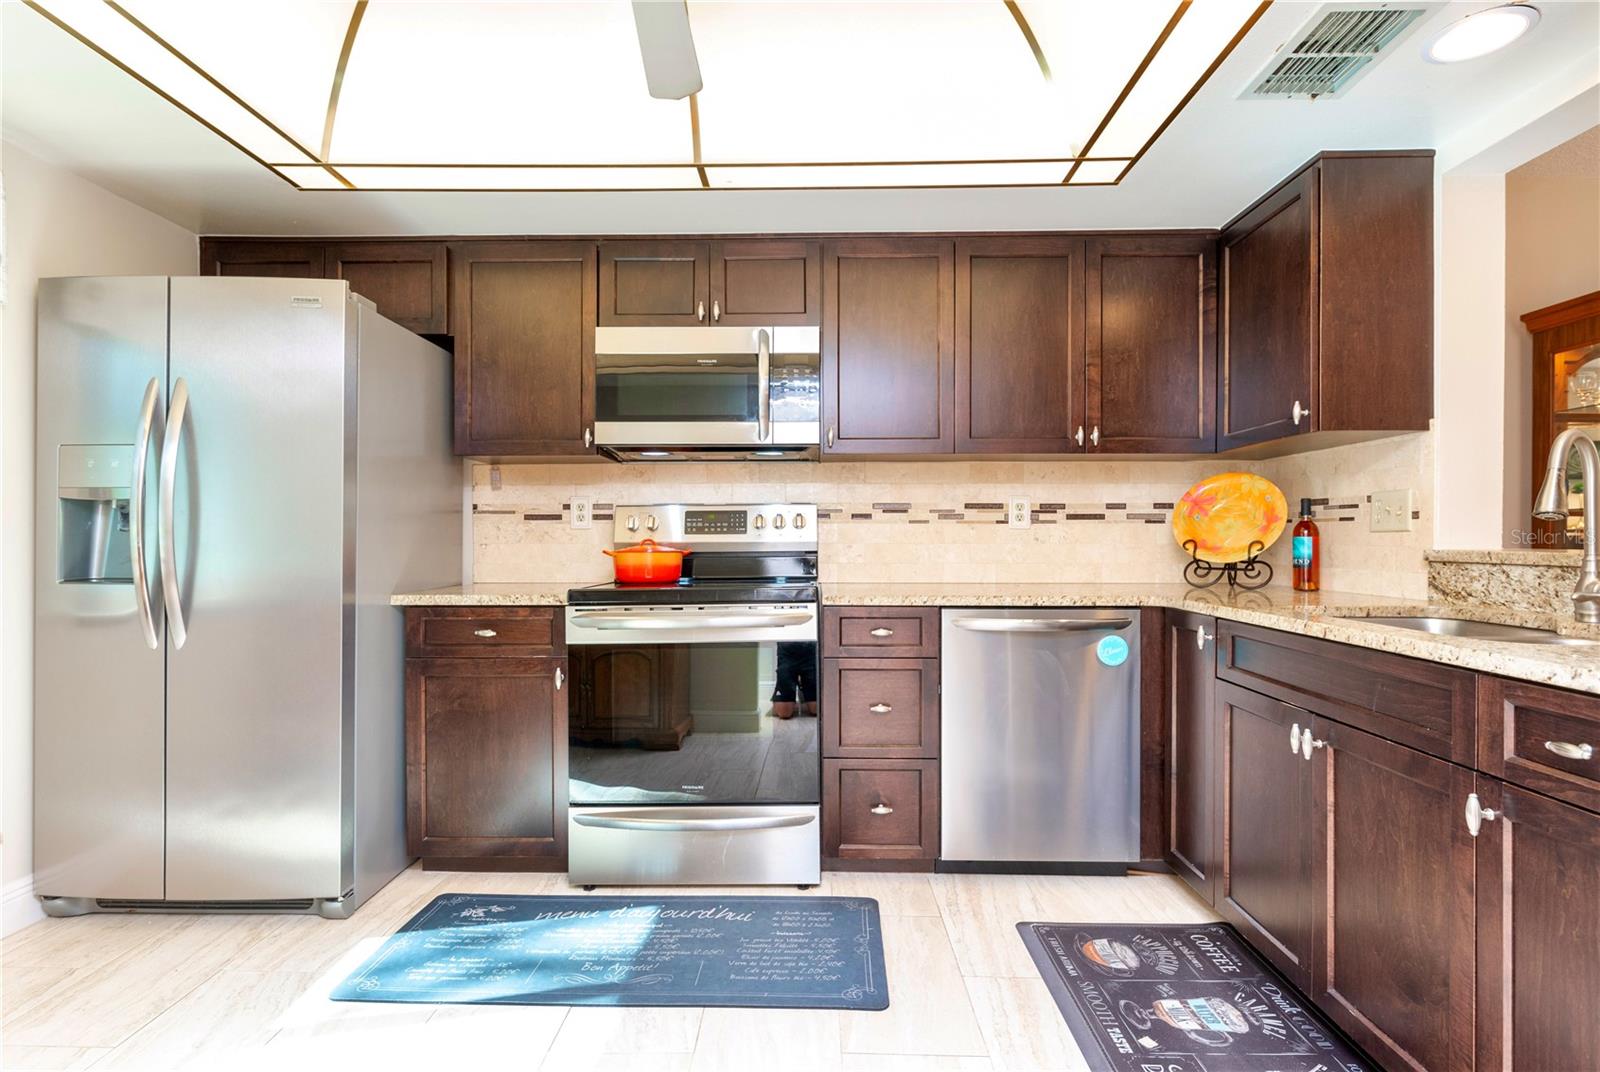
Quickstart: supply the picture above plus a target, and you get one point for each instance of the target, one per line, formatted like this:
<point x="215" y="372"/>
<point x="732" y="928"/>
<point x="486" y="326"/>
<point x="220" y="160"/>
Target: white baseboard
<point x="19" y="908"/>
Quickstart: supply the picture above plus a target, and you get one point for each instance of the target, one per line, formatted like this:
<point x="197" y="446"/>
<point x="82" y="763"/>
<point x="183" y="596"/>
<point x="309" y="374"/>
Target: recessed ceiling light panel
<point x="1481" y="33"/>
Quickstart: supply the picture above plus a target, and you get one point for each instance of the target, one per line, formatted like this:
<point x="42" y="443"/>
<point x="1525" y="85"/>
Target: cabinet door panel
<point x="1150" y="344"/>
<point x="1538" y="933"/>
<point x="655" y="283"/>
<point x="759" y="282"/>
<point x="881" y="810"/>
<point x="1192" y="781"/>
<point x="524" y="321"/>
<point x="1267" y="884"/>
<point x="287" y="260"/>
<point x="406" y="280"/>
<point x="486" y="769"/>
<point x="1394" y="953"/>
<point x="1019" y="364"/>
<point x="1269" y="302"/>
<point x="887" y="357"/>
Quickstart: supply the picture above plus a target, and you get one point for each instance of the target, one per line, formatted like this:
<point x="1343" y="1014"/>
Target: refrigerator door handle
<point x="141" y="459"/>
<point x="166" y="537"/>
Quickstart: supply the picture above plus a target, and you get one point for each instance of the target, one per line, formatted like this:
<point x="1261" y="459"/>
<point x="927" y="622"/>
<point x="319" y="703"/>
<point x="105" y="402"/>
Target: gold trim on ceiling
<point x="338" y="85"/>
<point x="1027" y="35"/>
<point x="1138" y="72"/>
<point x="722" y="163"/>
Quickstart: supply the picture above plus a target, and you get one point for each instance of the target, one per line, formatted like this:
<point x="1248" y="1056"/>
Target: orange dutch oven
<point x="647" y="562"/>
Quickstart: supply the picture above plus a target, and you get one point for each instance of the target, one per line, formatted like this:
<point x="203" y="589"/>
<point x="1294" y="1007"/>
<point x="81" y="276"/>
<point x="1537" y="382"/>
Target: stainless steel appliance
<point x="692" y="720"/>
<point x="233" y="477"/>
<point x="664" y="394"/>
<point x="1039" y="753"/>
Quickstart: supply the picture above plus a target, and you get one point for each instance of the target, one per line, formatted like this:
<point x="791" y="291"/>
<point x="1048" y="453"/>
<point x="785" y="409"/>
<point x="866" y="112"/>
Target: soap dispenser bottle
<point x="1306" y="550"/>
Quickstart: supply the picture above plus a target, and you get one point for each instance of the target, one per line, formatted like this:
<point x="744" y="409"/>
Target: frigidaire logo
<point x="692" y="788"/>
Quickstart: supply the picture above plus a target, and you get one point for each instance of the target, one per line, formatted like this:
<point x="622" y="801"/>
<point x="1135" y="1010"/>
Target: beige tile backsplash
<point x="1102" y="521"/>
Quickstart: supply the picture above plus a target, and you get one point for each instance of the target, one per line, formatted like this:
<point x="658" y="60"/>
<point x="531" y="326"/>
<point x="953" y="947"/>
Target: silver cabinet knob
<point x="1079" y="435"/>
<point x="716" y="310"/>
<point x="560" y="677"/>
<point x="1477" y="814"/>
<point x="485" y="633"/>
<point x="881" y="708"/>
<point x="799" y="521"/>
<point x="1201" y="636"/>
<point x="633" y="522"/>
<point x="882" y="809"/>
<point x="777" y="521"/>
<point x="1094" y="436"/>
<point x="1307" y="743"/>
<point x="651" y="523"/>
<point x="880" y="631"/>
<point x="1294" y="739"/>
<point x="588" y="437"/>
<point x="700" y="310"/>
<point x="1568" y="750"/>
<point x="1299" y="411"/>
<point x="759" y="522"/>
<point x="830" y="437"/>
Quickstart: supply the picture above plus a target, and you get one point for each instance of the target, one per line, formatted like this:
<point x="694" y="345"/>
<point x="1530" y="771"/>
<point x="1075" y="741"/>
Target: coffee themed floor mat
<point x="1181" y="999"/>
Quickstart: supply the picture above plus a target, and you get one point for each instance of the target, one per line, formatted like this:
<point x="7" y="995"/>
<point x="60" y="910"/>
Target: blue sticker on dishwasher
<point x="1112" y="650"/>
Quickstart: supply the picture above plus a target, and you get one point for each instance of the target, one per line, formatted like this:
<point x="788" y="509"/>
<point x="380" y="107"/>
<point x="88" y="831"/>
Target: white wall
<point x="55" y="224"/>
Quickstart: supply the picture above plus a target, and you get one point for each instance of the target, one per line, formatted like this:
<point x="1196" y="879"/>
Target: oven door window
<point x="677" y="388"/>
<point x="694" y="723"/>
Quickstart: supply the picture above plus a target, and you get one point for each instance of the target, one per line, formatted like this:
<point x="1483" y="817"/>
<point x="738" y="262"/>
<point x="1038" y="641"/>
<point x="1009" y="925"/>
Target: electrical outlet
<point x="581" y="518"/>
<point x="1018" y="517"/>
<point x="1391" y="511"/>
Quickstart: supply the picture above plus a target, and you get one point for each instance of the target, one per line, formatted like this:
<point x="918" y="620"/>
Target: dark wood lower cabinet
<point x="1267" y="880"/>
<point x="1393" y="961"/>
<point x="880" y="814"/>
<point x="1538" y="919"/>
<point x="1191" y="744"/>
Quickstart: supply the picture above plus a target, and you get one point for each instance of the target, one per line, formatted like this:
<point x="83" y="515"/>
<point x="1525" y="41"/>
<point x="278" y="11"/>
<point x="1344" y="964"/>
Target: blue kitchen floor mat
<point x="751" y="952"/>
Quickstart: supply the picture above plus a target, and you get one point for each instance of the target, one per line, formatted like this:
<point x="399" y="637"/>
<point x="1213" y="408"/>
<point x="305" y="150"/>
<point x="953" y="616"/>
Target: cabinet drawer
<point x="1543" y="739"/>
<point x="880" y="707"/>
<point x="879" y="632"/>
<point x="475" y="632"/>
<point x="876" y="809"/>
<point x="1421" y="704"/>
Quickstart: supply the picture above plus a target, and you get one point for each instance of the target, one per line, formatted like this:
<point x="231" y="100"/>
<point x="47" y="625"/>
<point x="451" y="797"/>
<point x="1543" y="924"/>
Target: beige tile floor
<point x="250" y="992"/>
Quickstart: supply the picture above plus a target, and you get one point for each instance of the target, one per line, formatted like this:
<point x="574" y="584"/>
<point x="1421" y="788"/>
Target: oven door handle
<point x="663" y="622"/>
<point x="635" y="821"/>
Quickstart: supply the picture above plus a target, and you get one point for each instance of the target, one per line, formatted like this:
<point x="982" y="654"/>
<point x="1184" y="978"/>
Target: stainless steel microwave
<point x="699" y="393"/>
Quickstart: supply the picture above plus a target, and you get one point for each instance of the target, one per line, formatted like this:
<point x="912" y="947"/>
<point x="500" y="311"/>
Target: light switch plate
<point x="1018" y="516"/>
<point x="581" y="518"/>
<point x="1391" y="511"/>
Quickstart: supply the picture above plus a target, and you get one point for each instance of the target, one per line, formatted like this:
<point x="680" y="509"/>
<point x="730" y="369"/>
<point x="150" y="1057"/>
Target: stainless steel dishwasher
<point x="1039" y="753"/>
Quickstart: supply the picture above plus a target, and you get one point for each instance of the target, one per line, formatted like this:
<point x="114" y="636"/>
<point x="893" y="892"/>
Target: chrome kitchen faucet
<point x="1551" y="505"/>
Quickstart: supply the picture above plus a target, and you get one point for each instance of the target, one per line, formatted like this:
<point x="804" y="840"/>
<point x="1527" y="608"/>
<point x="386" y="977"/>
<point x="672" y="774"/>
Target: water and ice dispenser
<point x="92" y="489"/>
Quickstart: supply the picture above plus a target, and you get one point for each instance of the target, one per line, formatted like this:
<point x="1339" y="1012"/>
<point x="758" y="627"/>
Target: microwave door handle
<point x="763" y="385"/>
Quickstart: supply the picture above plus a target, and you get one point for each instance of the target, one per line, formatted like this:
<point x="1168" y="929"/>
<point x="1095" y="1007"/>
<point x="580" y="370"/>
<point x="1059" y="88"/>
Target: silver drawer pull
<point x="485" y="633"/>
<point x="882" y="632"/>
<point x="1568" y="750"/>
<point x="884" y="709"/>
<point x="882" y="809"/>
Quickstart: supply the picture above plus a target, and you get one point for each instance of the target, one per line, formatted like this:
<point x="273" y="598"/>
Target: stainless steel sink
<point x="1461" y="627"/>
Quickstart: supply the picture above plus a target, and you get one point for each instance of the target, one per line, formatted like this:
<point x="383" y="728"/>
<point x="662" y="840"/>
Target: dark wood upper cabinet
<point x="655" y="283"/>
<point x="1019" y="345"/>
<point x="757" y="282"/>
<point x="888" y="333"/>
<point x="1327" y="302"/>
<point x="1538" y="916"/>
<point x="486" y="758"/>
<point x="1394" y="861"/>
<point x="1193" y="773"/>
<point x="408" y="281"/>
<point x="291" y="260"/>
<point x="524" y="319"/>
<point x="1150" y="344"/>
<point x="1267" y="882"/>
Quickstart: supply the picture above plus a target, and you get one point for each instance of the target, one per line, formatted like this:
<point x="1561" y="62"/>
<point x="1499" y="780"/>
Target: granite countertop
<point x="1336" y="616"/>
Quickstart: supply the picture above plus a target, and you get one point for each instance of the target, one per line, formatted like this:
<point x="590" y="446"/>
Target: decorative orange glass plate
<point x="1225" y="514"/>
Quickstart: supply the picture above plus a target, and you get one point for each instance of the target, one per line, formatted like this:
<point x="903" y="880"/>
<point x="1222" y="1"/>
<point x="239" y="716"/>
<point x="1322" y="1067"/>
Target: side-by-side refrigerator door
<point x="98" y="663"/>
<point x="256" y="461"/>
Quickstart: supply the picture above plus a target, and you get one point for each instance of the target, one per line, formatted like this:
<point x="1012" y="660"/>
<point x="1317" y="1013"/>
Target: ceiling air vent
<point x="1340" y="44"/>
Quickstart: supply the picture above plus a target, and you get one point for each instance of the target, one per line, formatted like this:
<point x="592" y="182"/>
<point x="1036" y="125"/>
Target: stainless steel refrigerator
<point x="233" y="477"/>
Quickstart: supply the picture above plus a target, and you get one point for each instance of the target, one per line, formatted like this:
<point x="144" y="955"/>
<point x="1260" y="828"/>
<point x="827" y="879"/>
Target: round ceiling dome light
<point x="1481" y="33"/>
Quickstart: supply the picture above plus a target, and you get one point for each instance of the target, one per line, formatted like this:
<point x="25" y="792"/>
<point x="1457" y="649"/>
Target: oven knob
<point x="759" y="522"/>
<point x="777" y="521"/>
<point x="633" y="522"/>
<point x="799" y="521"/>
<point x="650" y="522"/>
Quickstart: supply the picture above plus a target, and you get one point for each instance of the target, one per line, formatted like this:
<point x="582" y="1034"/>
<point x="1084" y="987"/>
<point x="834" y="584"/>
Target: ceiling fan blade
<point x="671" y="68"/>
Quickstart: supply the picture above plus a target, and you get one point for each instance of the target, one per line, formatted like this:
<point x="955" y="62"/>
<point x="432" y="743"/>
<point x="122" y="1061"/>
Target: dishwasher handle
<point x="1040" y="625"/>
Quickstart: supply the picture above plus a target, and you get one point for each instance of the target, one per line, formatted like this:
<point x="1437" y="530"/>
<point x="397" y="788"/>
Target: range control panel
<point x="767" y="527"/>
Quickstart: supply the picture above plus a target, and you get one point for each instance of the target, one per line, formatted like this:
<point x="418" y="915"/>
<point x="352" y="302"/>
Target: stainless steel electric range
<point x="693" y="721"/>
